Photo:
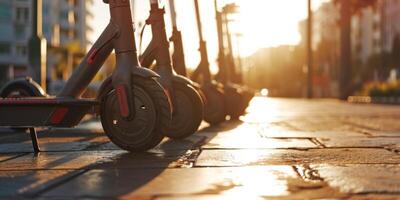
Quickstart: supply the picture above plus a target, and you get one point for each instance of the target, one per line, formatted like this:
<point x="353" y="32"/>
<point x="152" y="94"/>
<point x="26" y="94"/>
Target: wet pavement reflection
<point x="282" y="149"/>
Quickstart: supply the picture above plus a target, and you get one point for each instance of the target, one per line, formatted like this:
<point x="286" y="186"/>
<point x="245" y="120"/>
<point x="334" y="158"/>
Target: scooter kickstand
<point x="34" y="139"/>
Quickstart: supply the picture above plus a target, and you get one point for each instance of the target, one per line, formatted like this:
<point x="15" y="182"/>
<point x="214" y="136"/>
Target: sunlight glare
<point x="264" y="92"/>
<point x="262" y="110"/>
<point x="260" y="182"/>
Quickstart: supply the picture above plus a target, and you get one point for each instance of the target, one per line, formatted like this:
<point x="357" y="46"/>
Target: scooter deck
<point x="43" y="112"/>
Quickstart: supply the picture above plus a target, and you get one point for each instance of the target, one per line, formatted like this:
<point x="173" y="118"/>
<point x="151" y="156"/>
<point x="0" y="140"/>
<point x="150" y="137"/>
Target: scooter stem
<point x="118" y="35"/>
<point x="160" y="44"/>
<point x="126" y="56"/>
<point x="204" y="66"/>
<point x="199" y="25"/>
<point x="223" y="72"/>
<point x="178" y="56"/>
<point x="173" y="13"/>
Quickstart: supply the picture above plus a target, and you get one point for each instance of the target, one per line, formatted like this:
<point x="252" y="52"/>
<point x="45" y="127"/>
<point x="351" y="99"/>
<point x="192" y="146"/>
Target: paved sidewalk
<point x="282" y="149"/>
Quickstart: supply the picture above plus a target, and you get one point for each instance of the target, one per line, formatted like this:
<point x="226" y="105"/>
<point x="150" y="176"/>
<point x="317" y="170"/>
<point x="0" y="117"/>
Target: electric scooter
<point x="187" y="104"/>
<point x="215" y="112"/>
<point x="178" y="55"/>
<point x="132" y="105"/>
<point x="237" y="99"/>
<point x="236" y="77"/>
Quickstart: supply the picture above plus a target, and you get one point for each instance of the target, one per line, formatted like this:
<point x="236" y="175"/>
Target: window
<point x="6" y="31"/>
<point x="22" y="15"/>
<point x="5" y="48"/>
<point x="64" y="15"/>
<point x="21" y="50"/>
<point x="5" y="12"/>
<point x="20" y="31"/>
<point x="71" y="17"/>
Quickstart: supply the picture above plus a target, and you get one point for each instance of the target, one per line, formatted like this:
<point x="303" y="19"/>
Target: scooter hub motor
<point x="152" y="111"/>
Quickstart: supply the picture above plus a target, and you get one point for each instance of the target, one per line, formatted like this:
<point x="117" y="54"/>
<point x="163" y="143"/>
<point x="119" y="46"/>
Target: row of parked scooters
<point x="148" y="97"/>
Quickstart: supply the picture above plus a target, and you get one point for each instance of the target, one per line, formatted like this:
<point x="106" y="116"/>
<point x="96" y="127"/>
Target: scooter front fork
<point x="166" y="77"/>
<point x="122" y="82"/>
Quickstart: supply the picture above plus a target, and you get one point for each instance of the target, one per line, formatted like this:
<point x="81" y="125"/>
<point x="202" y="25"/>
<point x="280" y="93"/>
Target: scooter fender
<point x="26" y="82"/>
<point x="137" y="71"/>
<point x="144" y="72"/>
<point x="183" y="80"/>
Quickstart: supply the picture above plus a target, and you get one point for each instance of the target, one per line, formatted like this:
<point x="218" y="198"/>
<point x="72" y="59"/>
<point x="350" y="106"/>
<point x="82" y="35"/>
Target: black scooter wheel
<point x="234" y="101"/>
<point x="187" y="113"/>
<point x="20" y="90"/>
<point x="214" y="112"/>
<point x="152" y="112"/>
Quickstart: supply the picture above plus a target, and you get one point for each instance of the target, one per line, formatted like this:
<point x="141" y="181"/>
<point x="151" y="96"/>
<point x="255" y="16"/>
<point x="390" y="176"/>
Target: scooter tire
<point x="187" y="113"/>
<point x="234" y="102"/>
<point x="152" y="112"/>
<point x="20" y="90"/>
<point x="215" y="112"/>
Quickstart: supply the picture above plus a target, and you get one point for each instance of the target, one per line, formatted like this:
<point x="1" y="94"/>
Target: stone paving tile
<point x="383" y="133"/>
<point x="218" y="158"/>
<point x="276" y="133"/>
<point x="376" y="122"/>
<point x="54" y="144"/>
<point x="316" y="124"/>
<point x="247" y="136"/>
<point x="239" y="182"/>
<point x="250" y="136"/>
<point x="4" y="157"/>
<point x="349" y="178"/>
<point x="374" y="197"/>
<point x="7" y="135"/>
<point x="12" y="136"/>
<point x="359" y="142"/>
<point x="58" y="160"/>
<point x="91" y="159"/>
<point x="28" y="183"/>
<point x="167" y="145"/>
<point x="211" y="197"/>
<point x="248" y="142"/>
<point x="54" y="140"/>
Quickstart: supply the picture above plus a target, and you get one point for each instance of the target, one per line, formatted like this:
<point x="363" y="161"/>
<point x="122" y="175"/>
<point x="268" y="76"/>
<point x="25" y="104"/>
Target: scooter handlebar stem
<point x="122" y="19"/>
<point x="173" y="13"/>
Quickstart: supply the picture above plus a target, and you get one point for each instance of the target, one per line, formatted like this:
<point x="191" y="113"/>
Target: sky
<point x="262" y="23"/>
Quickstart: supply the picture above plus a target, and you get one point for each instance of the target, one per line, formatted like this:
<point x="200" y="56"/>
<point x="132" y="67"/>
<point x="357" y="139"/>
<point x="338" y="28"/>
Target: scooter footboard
<point x="40" y="112"/>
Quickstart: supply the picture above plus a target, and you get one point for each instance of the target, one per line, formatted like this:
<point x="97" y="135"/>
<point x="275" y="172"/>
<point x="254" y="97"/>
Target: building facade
<point x="366" y="33"/>
<point x="373" y="32"/>
<point x="326" y="48"/>
<point x="65" y="24"/>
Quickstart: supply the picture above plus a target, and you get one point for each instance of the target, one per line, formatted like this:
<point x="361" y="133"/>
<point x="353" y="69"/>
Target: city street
<point x="282" y="149"/>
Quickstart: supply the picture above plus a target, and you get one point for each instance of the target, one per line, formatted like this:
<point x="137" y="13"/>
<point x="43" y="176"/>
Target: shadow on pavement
<point x="106" y="169"/>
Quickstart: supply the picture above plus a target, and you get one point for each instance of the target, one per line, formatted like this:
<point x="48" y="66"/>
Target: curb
<point x="374" y="100"/>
